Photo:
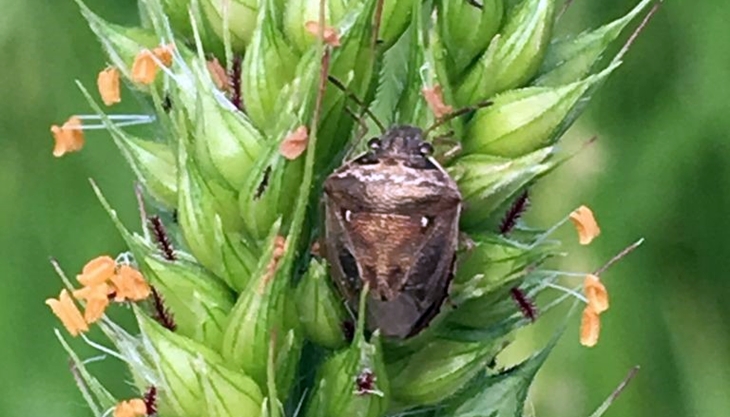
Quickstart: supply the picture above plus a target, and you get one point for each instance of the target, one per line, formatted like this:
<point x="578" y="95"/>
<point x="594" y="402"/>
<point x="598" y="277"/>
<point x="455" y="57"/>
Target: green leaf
<point x="199" y="301"/>
<point x="492" y="316"/>
<point x="392" y="80"/>
<point x="274" y="183"/>
<point x="353" y="64"/>
<point x="177" y="11"/>
<point x="495" y="314"/>
<point x="412" y="109"/>
<point x="501" y="395"/>
<point x="614" y="395"/>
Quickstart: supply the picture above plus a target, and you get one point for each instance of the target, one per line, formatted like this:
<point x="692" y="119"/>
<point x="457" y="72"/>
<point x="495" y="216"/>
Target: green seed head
<point x="242" y="320"/>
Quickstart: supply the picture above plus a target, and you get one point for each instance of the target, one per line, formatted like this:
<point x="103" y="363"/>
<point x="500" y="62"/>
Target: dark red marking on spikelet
<point x="516" y="210"/>
<point x="527" y="306"/>
<point x="475" y="4"/>
<point x="150" y="400"/>
<point x="263" y="184"/>
<point x="348" y="330"/>
<point x="162" y="313"/>
<point x="365" y="382"/>
<point x="235" y="80"/>
<point x="161" y="237"/>
<point x="492" y="363"/>
<point x="167" y="103"/>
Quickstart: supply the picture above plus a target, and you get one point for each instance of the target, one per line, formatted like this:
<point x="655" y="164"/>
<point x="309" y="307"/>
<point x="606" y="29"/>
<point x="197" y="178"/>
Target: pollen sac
<point x="298" y="13"/>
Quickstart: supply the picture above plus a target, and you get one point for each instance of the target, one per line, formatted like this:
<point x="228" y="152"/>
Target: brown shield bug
<point x="392" y="220"/>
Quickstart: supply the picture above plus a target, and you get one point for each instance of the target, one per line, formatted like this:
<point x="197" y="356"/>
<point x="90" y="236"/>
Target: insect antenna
<point x="456" y="113"/>
<point x="363" y="130"/>
<point x="359" y="102"/>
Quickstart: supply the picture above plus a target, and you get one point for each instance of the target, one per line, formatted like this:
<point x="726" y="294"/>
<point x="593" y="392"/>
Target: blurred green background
<point x="661" y="170"/>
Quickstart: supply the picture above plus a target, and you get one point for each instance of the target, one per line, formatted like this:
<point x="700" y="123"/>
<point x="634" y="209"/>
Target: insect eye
<point x="426" y="149"/>
<point x="374" y="144"/>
